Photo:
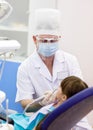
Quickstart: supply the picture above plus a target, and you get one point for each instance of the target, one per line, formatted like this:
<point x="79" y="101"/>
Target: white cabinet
<point x="16" y="25"/>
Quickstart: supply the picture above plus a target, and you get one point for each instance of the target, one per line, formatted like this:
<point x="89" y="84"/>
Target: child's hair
<point x="72" y="85"/>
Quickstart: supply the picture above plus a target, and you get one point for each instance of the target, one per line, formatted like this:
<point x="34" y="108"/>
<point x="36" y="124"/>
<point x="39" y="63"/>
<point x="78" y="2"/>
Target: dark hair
<point x="72" y="85"/>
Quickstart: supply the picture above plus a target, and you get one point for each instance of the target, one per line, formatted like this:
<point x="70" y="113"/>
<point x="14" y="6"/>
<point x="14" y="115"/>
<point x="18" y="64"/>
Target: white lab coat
<point x="33" y="77"/>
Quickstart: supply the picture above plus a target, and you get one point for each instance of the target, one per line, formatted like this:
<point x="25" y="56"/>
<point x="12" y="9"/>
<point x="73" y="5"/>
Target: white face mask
<point x="47" y="49"/>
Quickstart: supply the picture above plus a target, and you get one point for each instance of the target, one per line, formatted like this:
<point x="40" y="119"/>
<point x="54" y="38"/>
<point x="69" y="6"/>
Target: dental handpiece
<point x="32" y="106"/>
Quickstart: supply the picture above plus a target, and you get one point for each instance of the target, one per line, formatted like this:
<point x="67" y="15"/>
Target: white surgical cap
<point x="47" y="21"/>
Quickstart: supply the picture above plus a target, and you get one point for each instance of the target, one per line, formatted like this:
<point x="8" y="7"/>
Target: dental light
<point x="5" y="10"/>
<point x="7" y="49"/>
<point x="6" y="46"/>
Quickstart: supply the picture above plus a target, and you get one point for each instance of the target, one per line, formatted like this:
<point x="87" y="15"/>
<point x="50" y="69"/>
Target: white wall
<point x="77" y="30"/>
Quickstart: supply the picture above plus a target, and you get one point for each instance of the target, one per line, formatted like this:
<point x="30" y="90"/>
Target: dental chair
<point x="70" y="112"/>
<point x="8" y="84"/>
<point x="62" y="118"/>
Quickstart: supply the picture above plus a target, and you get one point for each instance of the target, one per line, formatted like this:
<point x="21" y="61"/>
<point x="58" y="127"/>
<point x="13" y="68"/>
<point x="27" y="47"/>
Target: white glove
<point x="50" y="97"/>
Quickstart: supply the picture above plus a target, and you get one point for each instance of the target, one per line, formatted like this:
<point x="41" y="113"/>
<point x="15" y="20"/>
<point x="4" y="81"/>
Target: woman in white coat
<point x="47" y="66"/>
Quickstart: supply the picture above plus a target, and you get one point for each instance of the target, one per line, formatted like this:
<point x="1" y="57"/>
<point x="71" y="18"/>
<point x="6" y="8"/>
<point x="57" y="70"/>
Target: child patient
<point x="68" y="87"/>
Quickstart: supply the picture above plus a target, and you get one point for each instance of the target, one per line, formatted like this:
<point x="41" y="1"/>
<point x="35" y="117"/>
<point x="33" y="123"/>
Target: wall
<point x="77" y="33"/>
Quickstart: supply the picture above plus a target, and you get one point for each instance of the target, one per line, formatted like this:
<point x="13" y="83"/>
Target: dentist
<point x="48" y="65"/>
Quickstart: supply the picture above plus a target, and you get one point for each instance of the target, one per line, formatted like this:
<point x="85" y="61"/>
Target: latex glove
<point x="50" y="97"/>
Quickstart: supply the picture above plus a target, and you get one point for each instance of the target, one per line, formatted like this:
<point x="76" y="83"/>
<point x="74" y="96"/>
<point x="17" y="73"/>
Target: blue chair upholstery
<point x="8" y="84"/>
<point x="70" y="112"/>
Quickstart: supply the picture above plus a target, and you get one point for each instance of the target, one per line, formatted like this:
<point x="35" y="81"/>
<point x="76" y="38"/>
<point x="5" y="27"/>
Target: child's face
<point x="60" y="97"/>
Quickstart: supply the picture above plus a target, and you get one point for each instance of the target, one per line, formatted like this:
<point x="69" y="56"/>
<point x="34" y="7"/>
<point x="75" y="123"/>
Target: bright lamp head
<point x="8" y="46"/>
<point x="5" y="10"/>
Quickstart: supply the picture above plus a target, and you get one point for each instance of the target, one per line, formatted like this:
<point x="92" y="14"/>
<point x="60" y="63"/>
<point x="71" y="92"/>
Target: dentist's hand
<point x="50" y="97"/>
